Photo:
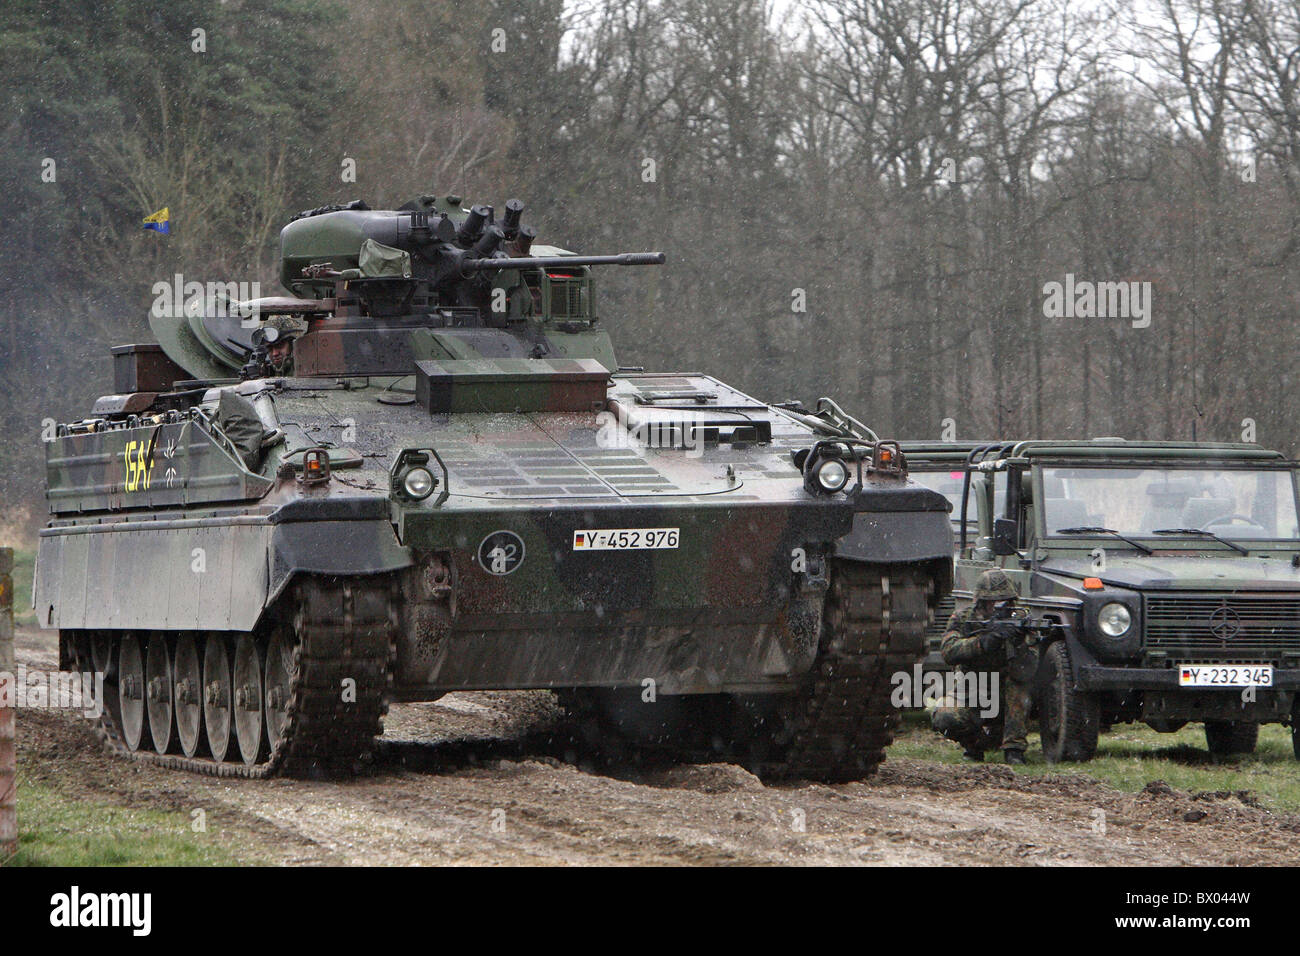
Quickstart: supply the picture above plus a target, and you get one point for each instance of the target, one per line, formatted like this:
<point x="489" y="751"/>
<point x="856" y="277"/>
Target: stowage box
<point x="511" y="385"/>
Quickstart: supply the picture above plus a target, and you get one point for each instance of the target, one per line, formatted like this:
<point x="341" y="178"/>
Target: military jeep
<point x="1171" y="571"/>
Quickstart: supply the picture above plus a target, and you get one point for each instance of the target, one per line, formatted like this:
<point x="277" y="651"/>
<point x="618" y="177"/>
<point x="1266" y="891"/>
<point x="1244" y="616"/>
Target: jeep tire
<point x="1069" y="720"/>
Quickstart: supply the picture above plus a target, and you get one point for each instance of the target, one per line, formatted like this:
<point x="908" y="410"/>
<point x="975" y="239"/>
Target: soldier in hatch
<point x="988" y="638"/>
<point x="282" y="330"/>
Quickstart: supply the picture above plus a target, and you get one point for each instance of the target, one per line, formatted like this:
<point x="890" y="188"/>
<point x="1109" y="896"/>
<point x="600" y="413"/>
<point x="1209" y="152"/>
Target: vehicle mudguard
<point x="1080" y="656"/>
<point x="889" y="537"/>
<point x="333" y="547"/>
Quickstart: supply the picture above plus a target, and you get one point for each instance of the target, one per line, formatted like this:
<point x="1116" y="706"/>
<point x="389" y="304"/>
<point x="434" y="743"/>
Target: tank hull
<point x="723" y="611"/>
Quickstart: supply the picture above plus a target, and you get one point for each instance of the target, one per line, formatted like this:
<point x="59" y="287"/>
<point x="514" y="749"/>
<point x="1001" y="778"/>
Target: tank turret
<point x="455" y="254"/>
<point x="363" y="280"/>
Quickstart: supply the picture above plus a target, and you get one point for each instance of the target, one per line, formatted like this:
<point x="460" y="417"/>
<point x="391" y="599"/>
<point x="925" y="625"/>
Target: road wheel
<point x="158" y="691"/>
<point x="1068" y="720"/>
<point x="130" y="689"/>
<point x="187" y="687"/>
<point x="248" y="698"/>
<point x="1231" y="738"/>
<point x="217" y="695"/>
<point x="281" y="669"/>
<point x="101" y="654"/>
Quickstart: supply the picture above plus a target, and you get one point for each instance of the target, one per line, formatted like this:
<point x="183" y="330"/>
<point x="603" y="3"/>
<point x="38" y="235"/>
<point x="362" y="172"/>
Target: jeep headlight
<point x="1114" y="619"/>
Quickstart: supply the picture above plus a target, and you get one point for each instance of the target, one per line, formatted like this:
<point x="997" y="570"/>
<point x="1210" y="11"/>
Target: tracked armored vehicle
<point x="423" y="471"/>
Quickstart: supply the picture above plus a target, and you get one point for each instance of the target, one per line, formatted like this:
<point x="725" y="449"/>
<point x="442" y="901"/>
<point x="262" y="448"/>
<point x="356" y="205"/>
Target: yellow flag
<point x="159" y="221"/>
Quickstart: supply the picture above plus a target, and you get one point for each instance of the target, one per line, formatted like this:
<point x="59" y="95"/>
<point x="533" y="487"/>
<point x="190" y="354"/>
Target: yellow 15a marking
<point x="138" y="469"/>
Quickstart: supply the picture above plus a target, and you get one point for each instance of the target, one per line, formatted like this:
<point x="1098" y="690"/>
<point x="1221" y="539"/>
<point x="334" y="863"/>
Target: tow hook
<point x="813" y="577"/>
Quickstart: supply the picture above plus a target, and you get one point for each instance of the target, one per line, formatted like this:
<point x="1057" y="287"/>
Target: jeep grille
<point x="1224" y="627"/>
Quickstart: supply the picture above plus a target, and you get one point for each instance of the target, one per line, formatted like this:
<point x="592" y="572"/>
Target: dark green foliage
<point x="794" y="167"/>
<point x="134" y="120"/>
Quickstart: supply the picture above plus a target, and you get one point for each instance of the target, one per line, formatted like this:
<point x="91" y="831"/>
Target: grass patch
<point x="55" y="829"/>
<point x="24" y="570"/>
<point x="1132" y="755"/>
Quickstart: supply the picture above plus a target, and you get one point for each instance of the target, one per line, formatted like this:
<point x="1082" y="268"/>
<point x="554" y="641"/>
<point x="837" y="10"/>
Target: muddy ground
<point x="484" y="778"/>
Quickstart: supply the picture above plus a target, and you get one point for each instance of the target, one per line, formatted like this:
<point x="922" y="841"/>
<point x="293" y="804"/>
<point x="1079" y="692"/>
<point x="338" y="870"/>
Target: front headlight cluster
<point x="828" y="465"/>
<point x="411" y="477"/>
<point x="1114" y="619"/>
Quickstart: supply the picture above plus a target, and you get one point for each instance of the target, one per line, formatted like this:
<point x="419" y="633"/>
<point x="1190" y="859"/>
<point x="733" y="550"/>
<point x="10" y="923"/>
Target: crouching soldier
<point x="989" y="638"/>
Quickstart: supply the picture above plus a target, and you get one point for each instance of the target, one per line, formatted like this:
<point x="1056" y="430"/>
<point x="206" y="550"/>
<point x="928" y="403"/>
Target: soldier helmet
<point x="994" y="585"/>
<point x="286" y="326"/>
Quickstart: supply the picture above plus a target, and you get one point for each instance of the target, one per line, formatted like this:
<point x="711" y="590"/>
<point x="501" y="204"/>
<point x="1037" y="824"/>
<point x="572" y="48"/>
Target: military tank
<point x="423" y="471"/>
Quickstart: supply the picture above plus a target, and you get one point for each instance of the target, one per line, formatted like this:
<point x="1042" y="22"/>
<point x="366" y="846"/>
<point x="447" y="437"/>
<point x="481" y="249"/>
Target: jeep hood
<point x="1183" y="572"/>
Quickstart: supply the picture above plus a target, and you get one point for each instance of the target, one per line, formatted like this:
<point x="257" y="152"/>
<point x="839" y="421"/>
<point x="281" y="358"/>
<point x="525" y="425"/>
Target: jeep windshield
<point x="1165" y="504"/>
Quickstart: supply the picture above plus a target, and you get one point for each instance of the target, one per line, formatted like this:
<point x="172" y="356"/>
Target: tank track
<point x="345" y="628"/>
<point x="874" y="627"/>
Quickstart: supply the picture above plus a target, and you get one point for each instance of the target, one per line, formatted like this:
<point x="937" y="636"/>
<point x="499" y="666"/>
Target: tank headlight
<point x="1114" y="619"/>
<point x="418" y="483"/>
<point x="832" y="475"/>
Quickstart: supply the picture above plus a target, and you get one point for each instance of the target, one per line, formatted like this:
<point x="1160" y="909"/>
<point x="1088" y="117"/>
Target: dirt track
<point x="483" y="779"/>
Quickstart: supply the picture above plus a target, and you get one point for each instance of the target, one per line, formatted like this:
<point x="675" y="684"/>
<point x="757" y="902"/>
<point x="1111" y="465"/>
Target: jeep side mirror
<point x="1006" y="531"/>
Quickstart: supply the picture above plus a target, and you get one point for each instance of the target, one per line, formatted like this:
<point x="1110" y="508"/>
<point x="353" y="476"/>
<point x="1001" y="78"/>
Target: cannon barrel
<point x="547" y="262"/>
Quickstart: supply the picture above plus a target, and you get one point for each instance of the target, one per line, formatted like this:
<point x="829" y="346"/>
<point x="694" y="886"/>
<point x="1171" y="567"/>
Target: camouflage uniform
<point x="968" y="645"/>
